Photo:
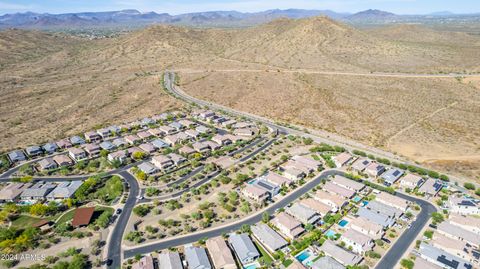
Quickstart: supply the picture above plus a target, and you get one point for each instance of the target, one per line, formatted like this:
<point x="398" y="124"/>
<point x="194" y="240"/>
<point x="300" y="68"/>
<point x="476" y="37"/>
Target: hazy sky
<point x="185" y="6"/>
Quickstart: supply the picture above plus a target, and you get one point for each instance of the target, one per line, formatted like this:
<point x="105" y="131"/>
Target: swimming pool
<point x="365" y="203"/>
<point x="343" y="223"/>
<point x="251" y="266"/>
<point x="356" y="199"/>
<point x="303" y="256"/>
<point x="330" y="233"/>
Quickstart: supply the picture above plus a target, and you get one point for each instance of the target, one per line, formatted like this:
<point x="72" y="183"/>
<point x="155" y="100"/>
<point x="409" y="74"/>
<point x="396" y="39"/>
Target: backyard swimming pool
<point x="365" y="203"/>
<point x="306" y="257"/>
<point x="343" y="223"/>
<point x="303" y="255"/>
<point x="251" y="266"/>
<point x="356" y="199"/>
<point x="330" y="233"/>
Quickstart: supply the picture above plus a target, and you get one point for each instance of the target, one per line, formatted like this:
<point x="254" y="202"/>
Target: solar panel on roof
<point x="444" y="260"/>
<point x="264" y="185"/>
<point x="396" y="172"/>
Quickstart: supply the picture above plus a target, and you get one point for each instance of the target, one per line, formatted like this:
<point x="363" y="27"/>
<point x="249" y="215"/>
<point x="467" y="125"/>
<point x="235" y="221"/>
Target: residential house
<point x="431" y="187"/>
<point x="293" y="173"/>
<point x="342" y="159"/>
<point x="463" y="206"/>
<point x="221" y="139"/>
<point x="411" y="181"/>
<point x="104" y="132"/>
<point x="148" y="147"/>
<point x="147" y="122"/>
<point x="177" y="126"/>
<point x="327" y="262"/>
<point x="308" y="162"/>
<point x="244" y="132"/>
<point x="186" y="150"/>
<point x="375" y="217"/>
<point x="421" y="263"/>
<point x="244" y="248"/>
<point x="229" y="123"/>
<point x="77" y="140"/>
<point x="107" y="145"/>
<point x="288" y="225"/>
<point x="156" y="132"/>
<point x="62" y="160"/>
<point x="162" y="162"/>
<point x="167" y="130"/>
<point x="338" y="190"/>
<point x="12" y="191"/>
<point x="339" y="254"/>
<point x="374" y="169"/>
<point x="16" y="156"/>
<point x="169" y="260"/>
<point x="255" y="193"/>
<point x="306" y="169"/>
<point x="77" y="154"/>
<point x="148" y="168"/>
<point x="144" y="135"/>
<point x="220" y="253"/>
<point x="47" y="164"/>
<point x="187" y="123"/>
<point x="384" y="209"/>
<point x="242" y="124"/>
<point x="303" y="213"/>
<point x="177" y="159"/>
<point x="458" y="233"/>
<point x="93" y="150"/>
<point x="33" y="151"/>
<point x="347" y="183"/>
<point x="277" y="180"/>
<point x="176" y="138"/>
<point x="469" y="223"/>
<point x="119" y="142"/>
<point x="442" y="258"/>
<point x="319" y="207"/>
<point x="357" y="241"/>
<point x="132" y="139"/>
<point x="201" y="147"/>
<point x="391" y="176"/>
<point x="37" y="192"/>
<point x="160" y="144"/>
<point x="212" y="145"/>
<point x="202" y="129"/>
<point x="192" y="134"/>
<point x="119" y="155"/>
<point x="197" y="258"/>
<point x="458" y="248"/>
<point x="114" y="130"/>
<point x="50" y="147"/>
<point x="332" y="200"/>
<point x="64" y="190"/>
<point x="392" y="200"/>
<point x="270" y="239"/>
<point x="271" y="188"/>
<point x="92" y="137"/>
<point x="367" y="227"/>
<point x="64" y="143"/>
<point x="360" y="164"/>
<point x="146" y="262"/>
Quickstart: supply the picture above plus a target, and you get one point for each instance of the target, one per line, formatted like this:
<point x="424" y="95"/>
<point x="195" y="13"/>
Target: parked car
<point x="118" y="211"/>
<point x="386" y="240"/>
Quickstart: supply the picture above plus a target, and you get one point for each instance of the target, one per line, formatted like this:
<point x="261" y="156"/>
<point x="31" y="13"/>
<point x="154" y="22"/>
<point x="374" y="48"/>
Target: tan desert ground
<point x="300" y="71"/>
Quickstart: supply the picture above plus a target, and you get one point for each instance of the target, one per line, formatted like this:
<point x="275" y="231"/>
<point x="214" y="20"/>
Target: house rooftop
<point x="327" y="262"/>
<point x="82" y="216"/>
<point x="145" y="262"/>
<point x="339" y="254"/>
<point x="443" y="258"/>
<point x="220" y="253"/>
<point x="243" y="246"/>
<point x="169" y="260"/>
<point x="456" y="231"/>
<point x="339" y="190"/>
<point x="347" y="183"/>
<point x="268" y="236"/>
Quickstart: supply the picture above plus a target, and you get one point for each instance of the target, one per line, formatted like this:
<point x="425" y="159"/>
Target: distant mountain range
<point x="135" y="19"/>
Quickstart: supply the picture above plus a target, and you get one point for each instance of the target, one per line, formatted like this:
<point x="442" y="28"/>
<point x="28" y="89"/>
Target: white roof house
<point x="244" y="248"/>
<point x="197" y="258"/>
<point x="303" y="213"/>
<point x="359" y="242"/>
<point x="169" y="260"/>
<point x="342" y="159"/>
<point x="64" y="190"/>
<point x="342" y="256"/>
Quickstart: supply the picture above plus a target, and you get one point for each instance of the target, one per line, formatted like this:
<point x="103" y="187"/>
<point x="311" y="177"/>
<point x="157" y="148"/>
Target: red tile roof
<point x="82" y="216"/>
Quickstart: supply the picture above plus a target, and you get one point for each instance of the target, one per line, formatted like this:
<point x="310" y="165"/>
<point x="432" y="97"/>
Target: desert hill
<point x="55" y="85"/>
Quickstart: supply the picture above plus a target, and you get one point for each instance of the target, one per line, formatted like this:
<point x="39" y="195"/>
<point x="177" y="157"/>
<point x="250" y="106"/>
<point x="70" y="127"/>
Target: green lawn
<point x="263" y="252"/>
<point x="24" y="221"/>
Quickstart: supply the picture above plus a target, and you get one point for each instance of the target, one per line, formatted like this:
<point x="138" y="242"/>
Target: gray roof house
<point x="147" y="168"/>
<point x="34" y="150"/>
<point x="375" y="217"/>
<point x="327" y="262"/>
<point x="107" y="145"/>
<point x="244" y="248"/>
<point x="268" y="237"/>
<point x="169" y="260"/>
<point x="176" y="125"/>
<point x="442" y="258"/>
<point x="147" y="121"/>
<point x="16" y="156"/>
<point x="64" y="190"/>
<point x="197" y="258"/>
<point x="160" y="144"/>
<point x="341" y="255"/>
<point x="391" y="176"/>
<point x="384" y="209"/>
<point x="38" y="191"/>
<point x="77" y="140"/>
<point x="50" y="147"/>
<point x="303" y="213"/>
<point x="118" y="142"/>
